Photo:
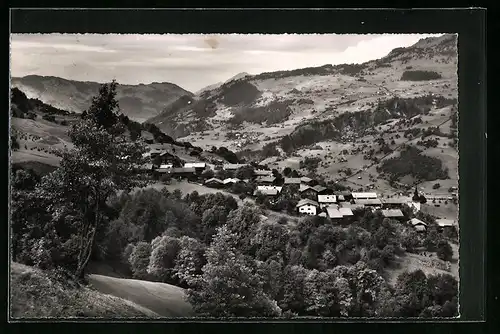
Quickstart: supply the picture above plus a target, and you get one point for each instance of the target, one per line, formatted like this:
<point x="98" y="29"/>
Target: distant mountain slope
<point x="139" y="102"/>
<point x="338" y="113"/>
<point x="291" y="97"/>
<point x="217" y="85"/>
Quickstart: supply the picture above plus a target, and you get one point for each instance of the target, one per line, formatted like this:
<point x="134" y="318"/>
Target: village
<point x="314" y="198"/>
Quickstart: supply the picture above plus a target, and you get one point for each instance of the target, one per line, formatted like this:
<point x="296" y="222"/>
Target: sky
<point x="190" y="61"/>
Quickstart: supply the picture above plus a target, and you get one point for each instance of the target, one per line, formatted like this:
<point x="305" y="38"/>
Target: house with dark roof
<point x="320" y="189"/>
<point x="214" y="183"/>
<point x="265" y="179"/>
<point x="307" y="206"/>
<point x="373" y="203"/>
<point x="444" y="224"/>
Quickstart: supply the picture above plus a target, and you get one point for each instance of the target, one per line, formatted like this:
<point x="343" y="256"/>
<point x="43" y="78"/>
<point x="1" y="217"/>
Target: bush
<point x="436" y="186"/>
<point x="166" y="178"/>
<point x="311" y="164"/>
<point x="444" y="251"/>
<point x="420" y="75"/>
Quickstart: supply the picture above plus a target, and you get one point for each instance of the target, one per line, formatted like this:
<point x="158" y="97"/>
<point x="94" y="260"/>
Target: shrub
<point x="444" y="250"/>
<point x="436" y="186"/>
<point x="420" y="75"/>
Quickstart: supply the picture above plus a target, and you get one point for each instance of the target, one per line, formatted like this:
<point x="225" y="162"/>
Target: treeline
<point x="308" y="71"/>
<point x="416" y="75"/>
<point x="275" y="112"/>
<point x="412" y="162"/>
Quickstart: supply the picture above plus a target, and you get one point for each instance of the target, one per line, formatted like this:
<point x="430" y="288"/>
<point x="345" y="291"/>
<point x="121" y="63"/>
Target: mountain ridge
<point x="139" y="102"/>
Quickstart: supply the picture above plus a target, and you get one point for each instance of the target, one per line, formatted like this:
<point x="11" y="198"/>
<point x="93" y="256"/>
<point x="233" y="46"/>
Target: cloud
<point x="190" y="61"/>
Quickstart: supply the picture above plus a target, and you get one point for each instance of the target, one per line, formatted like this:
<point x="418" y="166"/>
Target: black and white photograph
<point x="234" y="176"/>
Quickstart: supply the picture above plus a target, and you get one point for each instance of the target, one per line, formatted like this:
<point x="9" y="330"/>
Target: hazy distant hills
<point x="139" y="102"/>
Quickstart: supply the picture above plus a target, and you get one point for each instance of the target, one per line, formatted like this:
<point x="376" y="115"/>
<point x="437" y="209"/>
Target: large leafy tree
<point x="230" y="285"/>
<point x="102" y="161"/>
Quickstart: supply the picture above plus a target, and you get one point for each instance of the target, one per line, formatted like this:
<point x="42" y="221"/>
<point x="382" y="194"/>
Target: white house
<point x="267" y="191"/>
<point x="270" y="187"/>
<point x="364" y="195"/>
<point x="326" y="200"/>
<point x="262" y="172"/>
<point x="231" y="181"/>
<point x="307" y="206"/>
<point x="195" y="165"/>
<point x="166" y="166"/>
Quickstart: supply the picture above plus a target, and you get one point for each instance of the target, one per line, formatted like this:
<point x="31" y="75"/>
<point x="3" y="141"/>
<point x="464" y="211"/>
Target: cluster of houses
<point x="316" y="200"/>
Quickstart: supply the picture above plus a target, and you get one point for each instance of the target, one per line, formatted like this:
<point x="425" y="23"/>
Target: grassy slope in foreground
<point x="163" y="299"/>
<point x="35" y="295"/>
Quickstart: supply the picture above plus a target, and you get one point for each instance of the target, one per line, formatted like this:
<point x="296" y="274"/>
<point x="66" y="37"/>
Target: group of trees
<point x="412" y="162"/>
<point x="226" y="154"/>
<point x="63" y="213"/>
<point x="310" y="163"/>
<point x="274" y="113"/>
<point x="417" y="75"/>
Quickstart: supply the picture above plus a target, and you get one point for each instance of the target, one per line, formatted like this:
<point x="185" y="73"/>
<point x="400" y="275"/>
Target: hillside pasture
<point x="35" y="294"/>
<point x="163" y="299"/>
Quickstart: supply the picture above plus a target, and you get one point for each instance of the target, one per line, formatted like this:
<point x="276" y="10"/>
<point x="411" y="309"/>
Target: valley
<point x="288" y="193"/>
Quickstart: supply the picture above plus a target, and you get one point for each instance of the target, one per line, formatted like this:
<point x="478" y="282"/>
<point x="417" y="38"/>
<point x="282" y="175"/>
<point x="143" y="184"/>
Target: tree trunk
<point x="87" y="242"/>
